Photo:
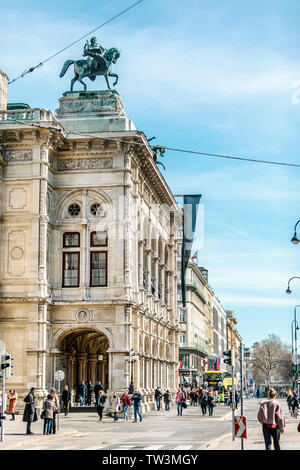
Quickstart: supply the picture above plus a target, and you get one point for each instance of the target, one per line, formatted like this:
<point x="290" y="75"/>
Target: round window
<point x="74" y="210"/>
<point x="96" y="209"/>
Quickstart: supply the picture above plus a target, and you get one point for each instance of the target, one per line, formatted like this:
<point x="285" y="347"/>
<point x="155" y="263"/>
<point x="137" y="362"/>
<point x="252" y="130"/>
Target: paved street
<point x="158" y="431"/>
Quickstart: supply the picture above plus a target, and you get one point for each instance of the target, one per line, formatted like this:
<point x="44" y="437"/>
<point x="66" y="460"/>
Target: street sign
<point x="240" y="427"/>
<point x="205" y="384"/>
<point x="220" y="384"/>
<point x="59" y="375"/>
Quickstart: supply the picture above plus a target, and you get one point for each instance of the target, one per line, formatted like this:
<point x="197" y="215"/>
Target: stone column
<point x="80" y="367"/>
<point x="148" y="281"/>
<point x="141" y="261"/>
<point x="92" y="368"/>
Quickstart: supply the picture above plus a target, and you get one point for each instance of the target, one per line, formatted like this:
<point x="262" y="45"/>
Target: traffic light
<point x="227" y="353"/>
<point x="6" y="364"/>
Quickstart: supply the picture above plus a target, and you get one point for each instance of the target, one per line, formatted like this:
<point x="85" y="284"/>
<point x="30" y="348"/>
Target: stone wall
<point x="3" y="90"/>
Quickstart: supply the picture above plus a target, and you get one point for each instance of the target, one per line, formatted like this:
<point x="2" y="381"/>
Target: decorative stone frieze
<point x="17" y="155"/>
<point x="84" y="164"/>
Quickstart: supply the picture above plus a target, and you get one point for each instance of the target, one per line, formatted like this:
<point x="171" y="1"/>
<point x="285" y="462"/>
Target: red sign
<point x="240" y="427"/>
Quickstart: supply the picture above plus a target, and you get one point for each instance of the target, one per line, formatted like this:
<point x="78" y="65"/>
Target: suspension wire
<point x="171" y="149"/>
<point x="31" y="69"/>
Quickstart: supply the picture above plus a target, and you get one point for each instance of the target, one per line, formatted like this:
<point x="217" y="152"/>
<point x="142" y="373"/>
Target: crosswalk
<point x="158" y="446"/>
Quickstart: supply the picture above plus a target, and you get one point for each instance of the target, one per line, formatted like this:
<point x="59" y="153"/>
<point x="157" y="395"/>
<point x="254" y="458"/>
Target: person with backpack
<point x="203" y="402"/>
<point x="48" y="413"/>
<point x="125" y="400"/>
<point x="211" y="403"/>
<point x="158" y="397"/>
<point x="100" y="403"/>
<point x="167" y="400"/>
<point x="137" y="402"/>
<point x="271" y="416"/>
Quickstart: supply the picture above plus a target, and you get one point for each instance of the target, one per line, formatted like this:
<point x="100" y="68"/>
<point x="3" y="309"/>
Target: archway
<point x="84" y="357"/>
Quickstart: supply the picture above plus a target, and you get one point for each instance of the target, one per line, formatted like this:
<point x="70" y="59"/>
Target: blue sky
<point x="218" y="77"/>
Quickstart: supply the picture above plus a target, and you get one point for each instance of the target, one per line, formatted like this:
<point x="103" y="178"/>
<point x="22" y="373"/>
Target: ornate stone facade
<point x="3" y="89"/>
<point x="88" y="266"/>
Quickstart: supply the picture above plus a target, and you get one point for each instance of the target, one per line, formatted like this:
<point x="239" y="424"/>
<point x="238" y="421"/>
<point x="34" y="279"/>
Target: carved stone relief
<point x="85" y="163"/>
<point x="17" y="155"/>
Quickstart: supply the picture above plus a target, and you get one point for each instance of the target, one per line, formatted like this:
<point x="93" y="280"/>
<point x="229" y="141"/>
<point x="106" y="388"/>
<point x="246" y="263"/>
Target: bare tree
<point x="271" y="360"/>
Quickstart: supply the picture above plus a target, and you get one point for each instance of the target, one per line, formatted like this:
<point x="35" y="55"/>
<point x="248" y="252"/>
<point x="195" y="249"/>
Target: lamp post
<point x="131" y="358"/>
<point x="295" y="240"/>
<point x="295" y="349"/>
<point x="288" y="291"/>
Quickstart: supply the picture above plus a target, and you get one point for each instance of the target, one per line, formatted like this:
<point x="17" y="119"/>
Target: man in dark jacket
<point x="203" y="403"/>
<point x="66" y="400"/>
<point x="137" y="401"/>
<point x="97" y="388"/>
<point x="167" y="400"/>
<point x="158" y="396"/>
<point x="82" y="393"/>
<point x="90" y="391"/>
<point x="30" y="414"/>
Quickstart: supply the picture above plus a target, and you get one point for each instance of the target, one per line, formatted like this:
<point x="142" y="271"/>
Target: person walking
<point x="271" y="416"/>
<point x="167" y="400"/>
<point x="52" y="392"/>
<point x="137" y="402"/>
<point x="100" y="403"/>
<point x="30" y="414"/>
<point x="179" y="400"/>
<point x="48" y="410"/>
<point x="236" y="398"/>
<point x="211" y="403"/>
<point x="158" y="397"/>
<point x="66" y="400"/>
<point x="295" y="403"/>
<point x="82" y="393"/>
<point x="12" y="397"/>
<point x="90" y="393"/>
<point x="98" y="387"/>
<point x="125" y="399"/>
<point x="116" y="405"/>
<point x="203" y="402"/>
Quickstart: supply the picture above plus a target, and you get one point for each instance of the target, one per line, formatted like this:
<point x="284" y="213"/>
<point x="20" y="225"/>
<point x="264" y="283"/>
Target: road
<point x="159" y="430"/>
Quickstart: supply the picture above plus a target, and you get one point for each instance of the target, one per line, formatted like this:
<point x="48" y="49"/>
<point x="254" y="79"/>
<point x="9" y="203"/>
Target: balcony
<point x="32" y="115"/>
<point x="200" y="346"/>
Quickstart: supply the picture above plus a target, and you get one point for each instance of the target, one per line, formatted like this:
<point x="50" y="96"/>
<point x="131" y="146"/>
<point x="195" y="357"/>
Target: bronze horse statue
<point x="103" y="66"/>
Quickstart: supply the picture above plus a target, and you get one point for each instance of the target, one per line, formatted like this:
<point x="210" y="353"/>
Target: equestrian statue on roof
<point x="99" y="62"/>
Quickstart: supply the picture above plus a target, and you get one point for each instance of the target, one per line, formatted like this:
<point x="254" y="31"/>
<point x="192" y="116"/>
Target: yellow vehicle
<point x="215" y="379"/>
<point x="227" y="382"/>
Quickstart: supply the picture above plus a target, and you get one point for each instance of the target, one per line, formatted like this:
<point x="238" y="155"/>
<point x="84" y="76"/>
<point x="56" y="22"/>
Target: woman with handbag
<point x="30" y="415"/>
<point x="56" y="409"/>
<point x="48" y="413"/>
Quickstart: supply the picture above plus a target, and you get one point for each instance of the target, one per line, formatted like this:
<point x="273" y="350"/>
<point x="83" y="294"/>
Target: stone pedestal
<point x="93" y="111"/>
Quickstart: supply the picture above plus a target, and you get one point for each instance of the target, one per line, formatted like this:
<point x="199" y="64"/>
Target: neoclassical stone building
<point x="88" y="246"/>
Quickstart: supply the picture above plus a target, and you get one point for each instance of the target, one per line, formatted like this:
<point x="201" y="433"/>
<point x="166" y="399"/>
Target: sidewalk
<point x="83" y="424"/>
<point x="289" y="440"/>
<point x="15" y="437"/>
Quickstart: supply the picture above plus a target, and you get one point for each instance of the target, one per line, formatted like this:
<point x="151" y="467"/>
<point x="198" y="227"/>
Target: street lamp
<point x="131" y="358"/>
<point x="288" y="291"/>
<point x="294" y="322"/>
<point x="295" y="239"/>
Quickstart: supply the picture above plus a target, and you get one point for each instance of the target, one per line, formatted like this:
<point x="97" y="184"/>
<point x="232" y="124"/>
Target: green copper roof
<point x="18" y="106"/>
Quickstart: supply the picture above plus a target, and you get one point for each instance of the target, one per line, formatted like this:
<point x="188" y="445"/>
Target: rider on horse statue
<point x="89" y="50"/>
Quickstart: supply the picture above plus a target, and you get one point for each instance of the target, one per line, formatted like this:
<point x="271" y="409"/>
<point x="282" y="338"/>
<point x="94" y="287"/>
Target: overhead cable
<point x="31" y="69"/>
<point x="171" y="149"/>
